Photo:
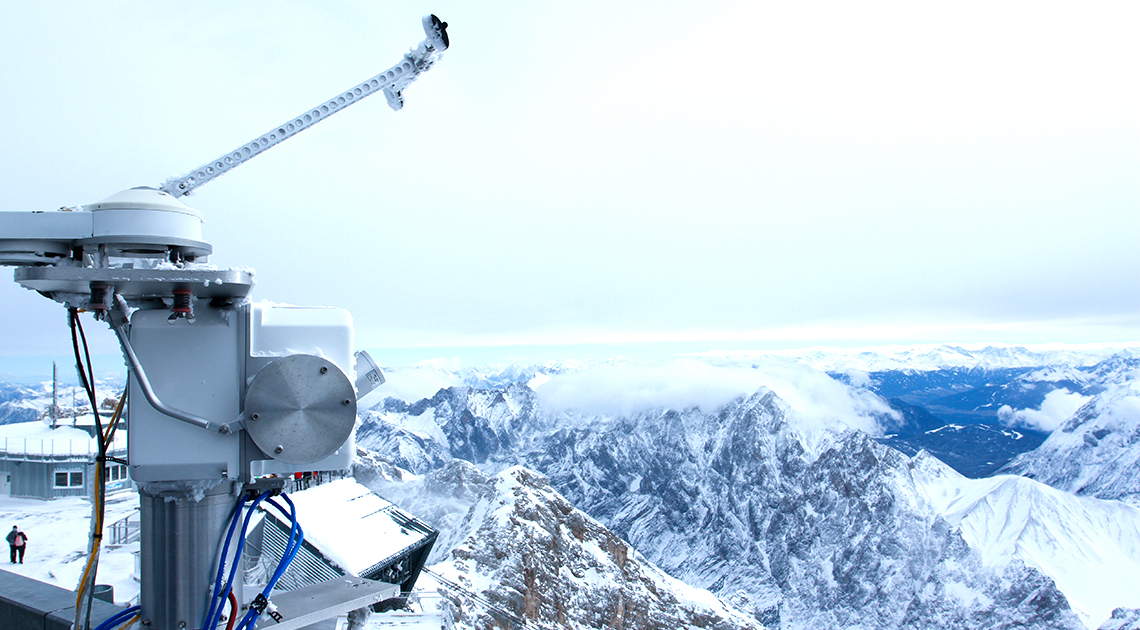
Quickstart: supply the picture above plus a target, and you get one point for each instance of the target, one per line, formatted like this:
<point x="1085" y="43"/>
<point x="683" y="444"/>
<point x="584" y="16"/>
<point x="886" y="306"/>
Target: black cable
<point x="88" y="381"/>
<point x="88" y="378"/>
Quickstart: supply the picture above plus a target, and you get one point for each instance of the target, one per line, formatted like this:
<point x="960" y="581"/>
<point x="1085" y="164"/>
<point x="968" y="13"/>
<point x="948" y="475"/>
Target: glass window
<point x="69" y="479"/>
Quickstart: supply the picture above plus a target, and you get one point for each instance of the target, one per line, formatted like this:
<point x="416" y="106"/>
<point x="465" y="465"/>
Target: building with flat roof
<point x="40" y="461"/>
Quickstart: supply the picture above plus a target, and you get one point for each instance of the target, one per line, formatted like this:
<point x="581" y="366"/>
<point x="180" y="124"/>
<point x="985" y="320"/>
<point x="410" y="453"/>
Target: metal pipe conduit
<point x="118" y="325"/>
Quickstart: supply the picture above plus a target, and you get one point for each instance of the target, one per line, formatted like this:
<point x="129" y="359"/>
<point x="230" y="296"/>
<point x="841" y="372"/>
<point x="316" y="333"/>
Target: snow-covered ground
<point x="57" y="541"/>
<point x="57" y="550"/>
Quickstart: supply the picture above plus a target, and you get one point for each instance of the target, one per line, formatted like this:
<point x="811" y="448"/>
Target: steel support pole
<point x="178" y="551"/>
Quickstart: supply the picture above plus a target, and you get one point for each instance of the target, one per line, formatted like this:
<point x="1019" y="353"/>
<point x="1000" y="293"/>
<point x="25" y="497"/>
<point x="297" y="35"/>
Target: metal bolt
<point x="181" y="624"/>
<point x="347" y="402"/>
<point x="254" y="417"/>
<point x="324" y="369"/>
<point x="278" y="449"/>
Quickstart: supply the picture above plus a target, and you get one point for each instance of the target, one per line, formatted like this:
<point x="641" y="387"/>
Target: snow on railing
<point x="41" y="449"/>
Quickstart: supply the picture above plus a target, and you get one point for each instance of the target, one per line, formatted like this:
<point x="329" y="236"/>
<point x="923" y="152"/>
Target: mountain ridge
<point x="669" y="482"/>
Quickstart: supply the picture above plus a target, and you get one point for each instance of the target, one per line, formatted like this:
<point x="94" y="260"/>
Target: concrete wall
<point x="27" y="604"/>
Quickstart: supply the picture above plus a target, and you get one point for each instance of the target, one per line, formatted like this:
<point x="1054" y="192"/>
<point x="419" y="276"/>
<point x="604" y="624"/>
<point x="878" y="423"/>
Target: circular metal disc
<point x="300" y="409"/>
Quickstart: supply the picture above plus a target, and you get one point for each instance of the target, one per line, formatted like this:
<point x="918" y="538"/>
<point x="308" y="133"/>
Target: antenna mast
<point x="54" y="401"/>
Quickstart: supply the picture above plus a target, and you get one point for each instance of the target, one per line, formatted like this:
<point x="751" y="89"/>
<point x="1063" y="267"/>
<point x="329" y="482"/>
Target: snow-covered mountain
<point x="1096" y="452"/>
<point x="25" y="403"/>
<point x="523" y="549"/>
<point x="801" y="525"/>
<point x="987" y="357"/>
<point x="780" y="502"/>
<point x="18" y="403"/>
<point x="963" y="358"/>
<point x="1089" y="547"/>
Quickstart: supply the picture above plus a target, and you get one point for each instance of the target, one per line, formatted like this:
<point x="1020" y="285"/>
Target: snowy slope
<point x="1089" y="547"/>
<point x="1095" y="452"/>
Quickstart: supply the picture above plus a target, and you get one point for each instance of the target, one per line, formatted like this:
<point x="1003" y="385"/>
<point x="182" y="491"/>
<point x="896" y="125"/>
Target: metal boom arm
<point x="392" y="82"/>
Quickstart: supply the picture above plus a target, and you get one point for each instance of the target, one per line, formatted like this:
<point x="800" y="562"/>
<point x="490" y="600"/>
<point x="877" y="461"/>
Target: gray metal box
<point x="205" y="369"/>
<point x="197" y="368"/>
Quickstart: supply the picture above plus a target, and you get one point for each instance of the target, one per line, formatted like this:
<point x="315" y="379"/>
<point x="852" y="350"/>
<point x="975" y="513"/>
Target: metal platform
<point x="325" y="600"/>
<point x="137" y="283"/>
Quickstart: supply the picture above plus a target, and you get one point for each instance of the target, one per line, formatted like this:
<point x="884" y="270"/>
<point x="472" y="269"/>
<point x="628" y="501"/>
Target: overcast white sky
<point x="718" y="173"/>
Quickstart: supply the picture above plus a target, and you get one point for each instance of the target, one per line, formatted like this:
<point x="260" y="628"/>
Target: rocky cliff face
<point x="475" y="425"/>
<point x="741" y="504"/>
<point x="1123" y="619"/>
<point x="537" y="560"/>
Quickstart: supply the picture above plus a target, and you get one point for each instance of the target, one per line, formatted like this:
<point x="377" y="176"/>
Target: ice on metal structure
<point x="391" y="82"/>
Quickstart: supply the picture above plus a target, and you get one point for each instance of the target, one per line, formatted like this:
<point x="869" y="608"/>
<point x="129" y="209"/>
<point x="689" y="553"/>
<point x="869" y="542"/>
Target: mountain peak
<point x="533" y="556"/>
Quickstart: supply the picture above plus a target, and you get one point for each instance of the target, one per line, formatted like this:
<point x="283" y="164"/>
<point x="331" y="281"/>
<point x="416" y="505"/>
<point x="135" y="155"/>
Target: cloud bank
<point x="1059" y="405"/>
<point x="414" y="382"/>
<point x="817" y="400"/>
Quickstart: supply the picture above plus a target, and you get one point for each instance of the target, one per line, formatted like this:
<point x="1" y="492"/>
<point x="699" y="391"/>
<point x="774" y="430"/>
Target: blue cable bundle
<point x="118" y="618"/>
<point x="221" y="593"/>
<point x="296" y="538"/>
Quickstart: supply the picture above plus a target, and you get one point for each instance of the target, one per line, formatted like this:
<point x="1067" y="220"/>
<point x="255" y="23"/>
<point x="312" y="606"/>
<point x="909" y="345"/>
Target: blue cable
<point x="212" y="621"/>
<point x="235" y="516"/>
<point x="237" y="555"/>
<point x="118" y="618"/>
<point x="217" y="596"/>
<point x="296" y="539"/>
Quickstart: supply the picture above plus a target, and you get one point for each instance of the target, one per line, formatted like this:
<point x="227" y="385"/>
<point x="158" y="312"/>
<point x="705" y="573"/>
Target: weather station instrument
<point x="227" y="396"/>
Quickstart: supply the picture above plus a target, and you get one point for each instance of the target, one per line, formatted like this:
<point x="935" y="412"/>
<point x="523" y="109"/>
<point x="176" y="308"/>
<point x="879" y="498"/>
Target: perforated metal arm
<point x="391" y="82"/>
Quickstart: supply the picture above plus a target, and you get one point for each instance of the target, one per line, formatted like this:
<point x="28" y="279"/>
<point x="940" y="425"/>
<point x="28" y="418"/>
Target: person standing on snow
<point x="17" y="543"/>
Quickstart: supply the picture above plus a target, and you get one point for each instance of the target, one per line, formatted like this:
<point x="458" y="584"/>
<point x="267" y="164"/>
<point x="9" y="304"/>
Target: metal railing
<point x="125" y="530"/>
<point x="511" y="618"/>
